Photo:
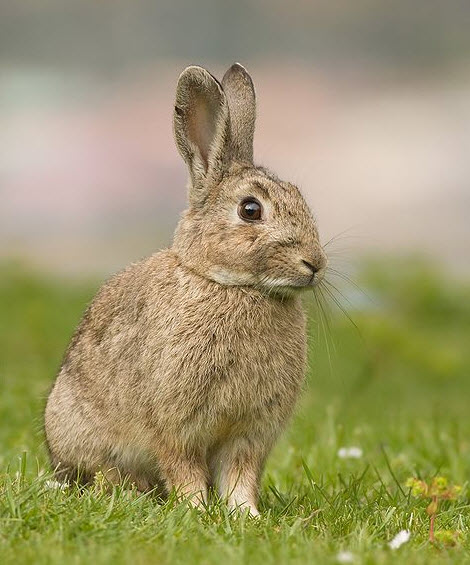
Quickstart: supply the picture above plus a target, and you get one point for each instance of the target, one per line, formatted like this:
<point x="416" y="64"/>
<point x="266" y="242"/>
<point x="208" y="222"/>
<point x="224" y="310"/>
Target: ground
<point x="396" y="386"/>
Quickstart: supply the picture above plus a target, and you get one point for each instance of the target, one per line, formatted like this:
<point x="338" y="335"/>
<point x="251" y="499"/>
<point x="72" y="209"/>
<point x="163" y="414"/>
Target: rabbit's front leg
<point x="236" y="469"/>
<point x="185" y="474"/>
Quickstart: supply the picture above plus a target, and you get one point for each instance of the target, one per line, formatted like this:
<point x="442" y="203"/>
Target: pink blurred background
<point x="365" y="105"/>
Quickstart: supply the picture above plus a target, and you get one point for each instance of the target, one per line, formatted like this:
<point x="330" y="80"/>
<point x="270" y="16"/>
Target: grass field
<point x="398" y="388"/>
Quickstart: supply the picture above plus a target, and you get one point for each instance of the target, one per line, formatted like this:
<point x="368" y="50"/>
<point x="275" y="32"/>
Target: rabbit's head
<point x="243" y="226"/>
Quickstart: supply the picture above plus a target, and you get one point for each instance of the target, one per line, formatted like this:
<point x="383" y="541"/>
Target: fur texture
<point x="187" y="365"/>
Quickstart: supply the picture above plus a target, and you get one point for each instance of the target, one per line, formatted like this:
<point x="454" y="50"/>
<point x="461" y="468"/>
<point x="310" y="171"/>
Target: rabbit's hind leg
<point x="113" y="476"/>
<point x="131" y="466"/>
<point x="71" y="474"/>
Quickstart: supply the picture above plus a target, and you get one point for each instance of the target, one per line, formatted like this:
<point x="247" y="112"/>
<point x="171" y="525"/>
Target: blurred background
<point x="365" y="105"/>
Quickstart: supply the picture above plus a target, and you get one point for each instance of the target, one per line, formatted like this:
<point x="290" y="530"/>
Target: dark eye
<point x="250" y="210"/>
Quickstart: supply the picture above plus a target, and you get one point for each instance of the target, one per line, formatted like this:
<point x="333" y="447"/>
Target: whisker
<point x="336" y="289"/>
<point x="325" y="307"/>
<point x="341" y="235"/>
<point x="339" y="305"/>
<point x="337" y="236"/>
<point x="321" y="314"/>
<point x="349" y="280"/>
<point x="346" y="278"/>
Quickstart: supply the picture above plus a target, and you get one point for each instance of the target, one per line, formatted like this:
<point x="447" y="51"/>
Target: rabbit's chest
<point x="238" y="368"/>
<point x="255" y="390"/>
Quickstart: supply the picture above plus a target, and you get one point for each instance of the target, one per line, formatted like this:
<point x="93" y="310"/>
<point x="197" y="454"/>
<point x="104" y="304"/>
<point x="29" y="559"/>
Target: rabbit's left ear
<point x="240" y="94"/>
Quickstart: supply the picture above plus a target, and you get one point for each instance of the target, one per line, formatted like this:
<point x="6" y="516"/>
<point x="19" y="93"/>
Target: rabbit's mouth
<point x="296" y="284"/>
<point x="305" y="278"/>
<point x="297" y="281"/>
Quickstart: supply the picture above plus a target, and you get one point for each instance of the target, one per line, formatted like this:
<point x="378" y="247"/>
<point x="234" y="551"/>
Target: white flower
<point x="350" y="452"/>
<point x="401" y="538"/>
<point x="345" y="557"/>
<point x="55" y="485"/>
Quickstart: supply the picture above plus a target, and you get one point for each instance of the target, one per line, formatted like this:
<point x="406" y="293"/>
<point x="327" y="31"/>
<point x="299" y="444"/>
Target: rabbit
<point x="187" y="365"/>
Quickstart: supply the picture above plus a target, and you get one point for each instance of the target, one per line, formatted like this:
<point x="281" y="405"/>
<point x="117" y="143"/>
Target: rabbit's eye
<point x="250" y="210"/>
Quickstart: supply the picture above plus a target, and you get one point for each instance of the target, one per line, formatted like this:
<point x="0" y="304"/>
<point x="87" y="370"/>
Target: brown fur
<point x="187" y="365"/>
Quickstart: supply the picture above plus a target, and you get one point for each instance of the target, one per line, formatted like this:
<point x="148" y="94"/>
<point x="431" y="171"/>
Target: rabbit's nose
<point x="313" y="268"/>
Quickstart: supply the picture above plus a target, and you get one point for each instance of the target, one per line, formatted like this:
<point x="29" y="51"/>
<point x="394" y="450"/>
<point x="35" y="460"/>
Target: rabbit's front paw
<point x="244" y="507"/>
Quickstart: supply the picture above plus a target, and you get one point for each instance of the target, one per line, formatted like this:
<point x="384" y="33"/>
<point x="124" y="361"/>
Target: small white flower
<point x="55" y="485"/>
<point x="352" y="452"/>
<point x="345" y="557"/>
<point x="401" y="538"/>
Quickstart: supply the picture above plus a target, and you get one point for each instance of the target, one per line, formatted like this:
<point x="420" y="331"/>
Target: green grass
<point x="399" y="389"/>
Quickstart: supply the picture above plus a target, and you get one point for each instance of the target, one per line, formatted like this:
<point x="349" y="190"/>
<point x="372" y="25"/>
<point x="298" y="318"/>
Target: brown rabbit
<point x="187" y="365"/>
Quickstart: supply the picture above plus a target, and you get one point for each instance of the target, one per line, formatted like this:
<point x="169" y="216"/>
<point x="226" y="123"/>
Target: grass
<point x="398" y="388"/>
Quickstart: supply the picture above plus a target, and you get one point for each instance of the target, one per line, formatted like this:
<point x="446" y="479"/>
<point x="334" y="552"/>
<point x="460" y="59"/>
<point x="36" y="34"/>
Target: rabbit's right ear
<point x="201" y="125"/>
<point x="241" y="98"/>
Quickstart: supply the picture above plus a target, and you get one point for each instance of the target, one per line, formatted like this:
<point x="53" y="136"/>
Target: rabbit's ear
<point x="201" y="125"/>
<point x="240" y="93"/>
